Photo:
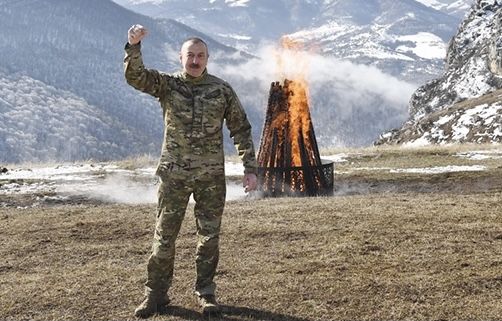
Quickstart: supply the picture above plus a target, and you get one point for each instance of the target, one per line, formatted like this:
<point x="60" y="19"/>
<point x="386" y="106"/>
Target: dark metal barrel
<point x="297" y="181"/>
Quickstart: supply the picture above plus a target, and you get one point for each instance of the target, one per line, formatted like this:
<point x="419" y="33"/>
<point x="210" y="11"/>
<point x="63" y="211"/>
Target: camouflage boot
<point x="153" y="303"/>
<point x="209" y="305"/>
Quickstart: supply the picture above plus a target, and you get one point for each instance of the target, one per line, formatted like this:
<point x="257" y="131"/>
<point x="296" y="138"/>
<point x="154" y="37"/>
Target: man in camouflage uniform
<point x="195" y="105"/>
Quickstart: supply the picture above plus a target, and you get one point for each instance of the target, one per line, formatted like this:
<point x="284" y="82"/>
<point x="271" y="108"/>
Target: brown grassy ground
<point x="401" y="255"/>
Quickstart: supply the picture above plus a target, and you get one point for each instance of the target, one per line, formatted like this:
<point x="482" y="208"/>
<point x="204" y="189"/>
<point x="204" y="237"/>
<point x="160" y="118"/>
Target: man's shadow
<point x="231" y="313"/>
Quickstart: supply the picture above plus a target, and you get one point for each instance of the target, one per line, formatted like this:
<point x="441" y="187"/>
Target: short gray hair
<point x="195" y="40"/>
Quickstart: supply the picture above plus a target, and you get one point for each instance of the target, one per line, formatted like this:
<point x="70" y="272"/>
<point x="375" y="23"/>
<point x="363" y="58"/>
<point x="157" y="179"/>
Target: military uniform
<point x="192" y="162"/>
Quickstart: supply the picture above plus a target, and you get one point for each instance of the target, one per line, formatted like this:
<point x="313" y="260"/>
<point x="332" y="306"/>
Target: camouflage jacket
<point x="194" y="110"/>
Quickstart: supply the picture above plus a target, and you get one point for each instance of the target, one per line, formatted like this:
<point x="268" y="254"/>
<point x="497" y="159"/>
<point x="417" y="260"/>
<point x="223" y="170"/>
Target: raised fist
<point x="135" y="34"/>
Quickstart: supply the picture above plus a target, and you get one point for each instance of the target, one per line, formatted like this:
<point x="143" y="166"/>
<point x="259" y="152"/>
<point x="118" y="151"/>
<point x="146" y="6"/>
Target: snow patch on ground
<point x="440" y="169"/>
<point x="332" y="29"/>
<point x="481" y="154"/>
<point x="233" y="169"/>
<point x="419" y="142"/>
<point x="378" y="51"/>
<point x="422" y="170"/>
<point x="336" y="158"/>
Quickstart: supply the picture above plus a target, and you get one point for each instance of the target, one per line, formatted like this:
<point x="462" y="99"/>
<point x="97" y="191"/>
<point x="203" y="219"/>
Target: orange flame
<point x="292" y="60"/>
<point x="293" y="64"/>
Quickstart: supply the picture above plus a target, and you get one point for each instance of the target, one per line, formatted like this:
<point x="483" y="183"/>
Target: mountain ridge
<point x="365" y="41"/>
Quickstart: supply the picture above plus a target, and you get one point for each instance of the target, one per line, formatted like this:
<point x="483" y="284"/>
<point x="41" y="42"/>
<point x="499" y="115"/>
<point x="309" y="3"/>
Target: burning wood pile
<point x="288" y="159"/>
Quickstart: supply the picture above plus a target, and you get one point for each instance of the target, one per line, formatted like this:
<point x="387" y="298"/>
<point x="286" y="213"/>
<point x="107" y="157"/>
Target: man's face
<point x="193" y="58"/>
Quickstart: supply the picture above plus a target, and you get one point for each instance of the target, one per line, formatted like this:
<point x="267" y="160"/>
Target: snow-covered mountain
<point x="464" y="104"/>
<point x="63" y="95"/>
<point x="404" y="38"/>
<point x="239" y="23"/>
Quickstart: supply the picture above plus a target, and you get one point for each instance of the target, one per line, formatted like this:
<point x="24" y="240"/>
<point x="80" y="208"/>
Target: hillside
<point x="42" y="123"/>
<point x="477" y="120"/>
<point x="473" y="62"/>
<point x="54" y="48"/>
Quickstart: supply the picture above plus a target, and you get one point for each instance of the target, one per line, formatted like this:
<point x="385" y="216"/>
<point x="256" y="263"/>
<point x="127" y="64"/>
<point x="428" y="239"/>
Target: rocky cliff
<point x="470" y="86"/>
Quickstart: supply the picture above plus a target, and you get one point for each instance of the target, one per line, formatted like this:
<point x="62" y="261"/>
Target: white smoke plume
<point x="126" y="189"/>
<point x="351" y="103"/>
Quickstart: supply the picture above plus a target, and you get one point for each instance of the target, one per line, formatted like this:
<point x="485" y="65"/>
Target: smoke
<point x="115" y="188"/>
<point x="235" y="191"/>
<point x="124" y="188"/>
<point x="362" y="80"/>
<point x="351" y="104"/>
<point x="273" y="64"/>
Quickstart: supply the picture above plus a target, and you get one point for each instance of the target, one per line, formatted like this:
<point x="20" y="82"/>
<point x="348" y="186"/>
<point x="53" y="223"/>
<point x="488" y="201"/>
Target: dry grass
<point x="405" y="255"/>
<point x="372" y="170"/>
<point x="389" y="257"/>
<point x="428" y="156"/>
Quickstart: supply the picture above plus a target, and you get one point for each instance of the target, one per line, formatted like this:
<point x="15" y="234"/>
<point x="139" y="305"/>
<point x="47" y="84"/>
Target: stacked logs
<point x="288" y="159"/>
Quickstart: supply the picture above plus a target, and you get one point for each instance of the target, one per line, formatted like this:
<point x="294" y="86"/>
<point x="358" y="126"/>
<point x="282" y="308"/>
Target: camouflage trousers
<point x="173" y="196"/>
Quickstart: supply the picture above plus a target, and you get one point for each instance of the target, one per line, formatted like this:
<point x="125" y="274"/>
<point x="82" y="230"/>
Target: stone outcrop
<point x="473" y="70"/>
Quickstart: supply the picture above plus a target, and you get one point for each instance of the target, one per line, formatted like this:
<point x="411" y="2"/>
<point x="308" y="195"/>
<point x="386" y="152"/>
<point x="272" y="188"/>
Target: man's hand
<point x="136" y="33"/>
<point x="249" y="182"/>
